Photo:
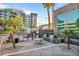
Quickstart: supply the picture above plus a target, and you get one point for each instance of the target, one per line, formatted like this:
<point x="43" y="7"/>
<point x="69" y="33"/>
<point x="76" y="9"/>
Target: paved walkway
<point x="52" y="50"/>
<point x="22" y="46"/>
<point x="28" y="48"/>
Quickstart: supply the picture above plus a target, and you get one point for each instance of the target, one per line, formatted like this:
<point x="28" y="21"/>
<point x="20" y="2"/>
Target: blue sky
<point x="33" y="7"/>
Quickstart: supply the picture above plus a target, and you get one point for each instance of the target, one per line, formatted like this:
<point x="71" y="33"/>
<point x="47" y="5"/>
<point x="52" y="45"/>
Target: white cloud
<point x="29" y="11"/>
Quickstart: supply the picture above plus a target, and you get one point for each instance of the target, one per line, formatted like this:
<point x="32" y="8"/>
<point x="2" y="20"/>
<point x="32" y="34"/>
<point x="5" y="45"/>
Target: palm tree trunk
<point x="53" y="20"/>
<point x="48" y="18"/>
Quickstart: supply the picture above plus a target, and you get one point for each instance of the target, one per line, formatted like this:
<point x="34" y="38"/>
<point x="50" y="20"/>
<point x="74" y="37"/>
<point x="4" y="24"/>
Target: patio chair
<point x="46" y="38"/>
<point x="56" y="40"/>
<point x="38" y="40"/>
<point x="51" y="37"/>
<point x="27" y="36"/>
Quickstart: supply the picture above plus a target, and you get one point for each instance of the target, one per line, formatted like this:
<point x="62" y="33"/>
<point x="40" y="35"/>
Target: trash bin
<point x="62" y="40"/>
<point x="16" y="40"/>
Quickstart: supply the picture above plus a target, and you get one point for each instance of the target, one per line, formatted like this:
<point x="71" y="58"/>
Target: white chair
<point x="44" y="35"/>
<point x="51" y="37"/>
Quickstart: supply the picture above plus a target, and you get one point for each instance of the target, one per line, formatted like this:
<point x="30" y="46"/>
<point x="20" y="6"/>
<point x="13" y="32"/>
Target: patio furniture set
<point x="51" y="38"/>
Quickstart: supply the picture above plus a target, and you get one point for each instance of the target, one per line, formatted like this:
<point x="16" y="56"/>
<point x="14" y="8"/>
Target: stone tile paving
<point x="55" y="50"/>
<point x="52" y="50"/>
<point x="26" y="45"/>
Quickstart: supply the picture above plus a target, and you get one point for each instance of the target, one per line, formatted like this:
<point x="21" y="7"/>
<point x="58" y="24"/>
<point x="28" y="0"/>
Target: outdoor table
<point x="39" y="40"/>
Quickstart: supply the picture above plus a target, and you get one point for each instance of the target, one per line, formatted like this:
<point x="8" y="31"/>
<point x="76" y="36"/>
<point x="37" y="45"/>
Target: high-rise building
<point x="27" y="22"/>
<point x="30" y="20"/>
<point x="6" y="13"/>
<point x="33" y="19"/>
<point x="68" y="16"/>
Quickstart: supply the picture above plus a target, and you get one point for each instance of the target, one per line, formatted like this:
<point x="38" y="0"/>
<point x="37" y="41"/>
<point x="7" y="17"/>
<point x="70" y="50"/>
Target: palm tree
<point x="47" y="5"/>
<point x="53" y="18"/>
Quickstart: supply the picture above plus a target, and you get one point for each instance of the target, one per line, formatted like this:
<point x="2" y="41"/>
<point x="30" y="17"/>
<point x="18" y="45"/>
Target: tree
<point x="2" y="26"/>
<point x="77" y="23"/>
<point x="52" y="5"/>
<point x="11" y="25"/>
<point x="19" y="23"/>
<point x="47" y="5"/>
<point x="1" y="22"/>
<point x="53" y="19"/>
<point x="16" y="24"/>
<point x="68" y="33"/>
<point x="34" y="26"/>
<point x="11" y="30"/>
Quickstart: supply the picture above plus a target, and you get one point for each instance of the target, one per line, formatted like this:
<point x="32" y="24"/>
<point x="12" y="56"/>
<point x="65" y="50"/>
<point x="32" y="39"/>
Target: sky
<point x="33" y="7"/>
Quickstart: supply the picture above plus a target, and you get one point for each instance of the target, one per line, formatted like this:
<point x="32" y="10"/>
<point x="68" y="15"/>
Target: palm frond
<point x="52" y="4"/>
<point x="46" y="5"/>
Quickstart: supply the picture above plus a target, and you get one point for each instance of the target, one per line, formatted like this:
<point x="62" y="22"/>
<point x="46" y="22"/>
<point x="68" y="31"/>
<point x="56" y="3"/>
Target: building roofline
<point x="66" y="8"/>
<point x="45" y="24"/>
<point x="61" y="7"/>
